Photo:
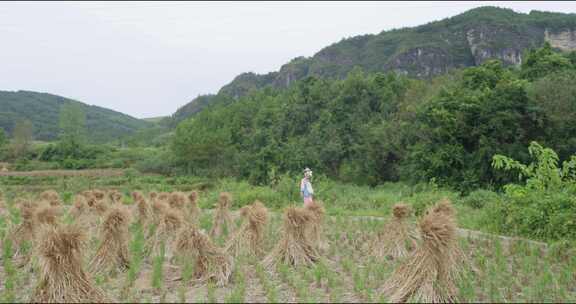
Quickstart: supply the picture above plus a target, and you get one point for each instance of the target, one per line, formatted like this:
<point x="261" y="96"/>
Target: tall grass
<point x="9" y="270"/>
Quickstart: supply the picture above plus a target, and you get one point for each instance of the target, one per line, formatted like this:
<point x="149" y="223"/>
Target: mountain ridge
<point x="42" y="109"/>
<point x="434" y="48"/>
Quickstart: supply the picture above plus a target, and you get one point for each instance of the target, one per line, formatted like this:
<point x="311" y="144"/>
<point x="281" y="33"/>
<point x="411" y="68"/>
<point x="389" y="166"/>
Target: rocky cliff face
<point x="423" y="62"/>
<point x="428" y="50"/>
<point x="493" y="42"/>
<point x="564" y="40"/>
<point x="465" y="40"/>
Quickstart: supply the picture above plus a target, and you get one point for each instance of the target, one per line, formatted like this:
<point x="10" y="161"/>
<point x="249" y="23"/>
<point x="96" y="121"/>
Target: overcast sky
<point x="149" y="58"/>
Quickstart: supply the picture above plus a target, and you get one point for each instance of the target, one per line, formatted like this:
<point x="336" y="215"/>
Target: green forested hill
<point x="465" y="40"/>
<point x="372" y="128"/>
<point x="43" y="110"/>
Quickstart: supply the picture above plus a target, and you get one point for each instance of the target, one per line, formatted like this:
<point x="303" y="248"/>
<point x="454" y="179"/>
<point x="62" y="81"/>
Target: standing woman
<point x="306" y="187"/>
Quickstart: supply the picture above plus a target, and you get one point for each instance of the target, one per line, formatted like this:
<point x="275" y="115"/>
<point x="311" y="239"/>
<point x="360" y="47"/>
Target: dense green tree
<point x="543" y="61"/>
<point x="3" y="138"/>
<point x="22" y="137"/>
<point x="72" y="127"/>
<point x="372" y="128"/>
<point x="465" y="125"/>
<point x="202" y="145"/>
<point x="555" y="94"/>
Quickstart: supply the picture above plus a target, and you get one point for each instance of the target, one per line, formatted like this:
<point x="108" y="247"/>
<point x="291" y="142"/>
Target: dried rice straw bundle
<point x="86" y="193"/>
<point x="153" y="195"/>
<point x="425" y="275"/>
<point x="55" y="203"/>
<point x="457" y="256"/>
<point x="80" y="212"/>
<point x="136" y="195"/>
<point x="79" y="208"/>
<point x="184" y="244"/>
<point x="193" y="209"/>
<point x="51" y="196"/>
<point x="315" y="234"/>
<point x="163" y="196"/>
<point x="212" y="263"/>
<point x="166" y="232"/>
<point x="177" y="200"/>
<point x="159" y="208"/>
<point x="144" y="212"/>
<point x="90" y="200"/>
<point x="25" y="232"/>
<point x="444" y="206"/>
<point x="115" y="197"/>
<point x="294" y="248"/>
<point x="113" y="251"/>
<point x="95" y="210"/>
<point x="222" y="219"/>
<point x="193" y="197"/>
<point x="248" y="239"/>
<point x="396" y="236"/>
<point x="98" y="194"/>
<point x="62" y="279"/>
<point x="100" y="207"/>
<point x="48" y="215"/>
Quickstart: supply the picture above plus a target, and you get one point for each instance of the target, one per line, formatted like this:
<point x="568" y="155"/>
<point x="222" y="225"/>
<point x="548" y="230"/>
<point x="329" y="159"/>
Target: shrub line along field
<point x="60" y="173"/>
<point x="162" y="247"/>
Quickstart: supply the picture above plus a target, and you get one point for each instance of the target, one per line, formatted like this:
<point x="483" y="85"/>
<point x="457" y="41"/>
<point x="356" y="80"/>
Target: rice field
<point x="158" y="256"/>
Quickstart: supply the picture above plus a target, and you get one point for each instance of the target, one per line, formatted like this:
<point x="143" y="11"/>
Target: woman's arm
<point x="310" y="189"/>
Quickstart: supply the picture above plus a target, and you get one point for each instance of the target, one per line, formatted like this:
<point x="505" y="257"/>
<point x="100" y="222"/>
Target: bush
<point x="160" y="163"/>
<point x="23" y="164"/>
<point x="545" y="206"/>
<point x="478" y="198"/>
<point x="546" y="216"/>
<point x="75" y="164"/>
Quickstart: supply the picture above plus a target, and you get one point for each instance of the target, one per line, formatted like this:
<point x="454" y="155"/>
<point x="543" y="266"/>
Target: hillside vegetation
<point x="465" y="40"/>
<point x="43" y="111"/>
<point x="372" y="128"/>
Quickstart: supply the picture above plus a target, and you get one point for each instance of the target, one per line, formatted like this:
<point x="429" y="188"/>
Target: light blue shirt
<point x="306" y="188"/>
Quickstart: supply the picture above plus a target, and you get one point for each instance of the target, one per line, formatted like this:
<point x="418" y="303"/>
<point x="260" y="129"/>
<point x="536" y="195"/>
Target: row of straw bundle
<point x="143" y="211"/>
<point x="62" y="278"/>
<point x="457" y="259"/>
<point x="112" y="254"/>
<point x="294" y="247"/>
<point x="396" y="237"/>
<point x="170" y="223"/>
<point x="315" y="228"/>
<point x="212" y="263"/>
<point x="427" y="275"/>
<point x="115" y="197"/>
<point x="51" y="197"/>
<point x="25" y="232"/>
<point x="222" y="218"/>
<point x="177" y="201"/>
<point x="193" y="208"/>
<point x="150" y="211"/>
<point x="248" y="239"/>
